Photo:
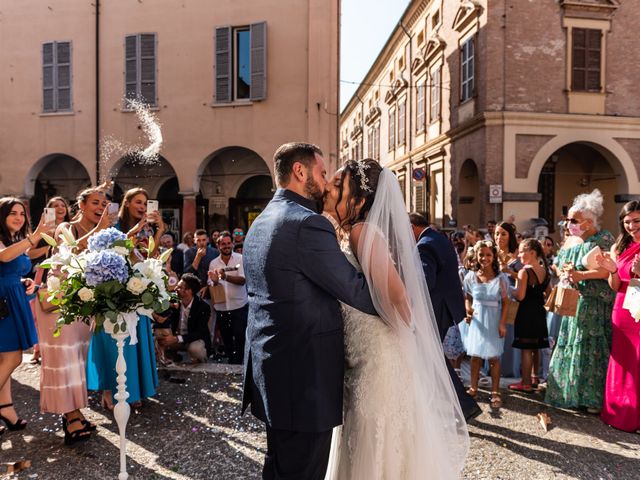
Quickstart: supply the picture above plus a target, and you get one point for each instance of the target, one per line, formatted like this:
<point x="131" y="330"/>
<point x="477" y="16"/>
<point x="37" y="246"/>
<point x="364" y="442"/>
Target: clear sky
<point x="366" y="26"/>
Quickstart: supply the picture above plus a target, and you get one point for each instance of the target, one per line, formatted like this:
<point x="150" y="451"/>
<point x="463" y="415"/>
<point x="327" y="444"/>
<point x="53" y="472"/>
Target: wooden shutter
<point x="392" y="129"/>
<point x="47" y="77"/>
<point x="223" y="65"/>
<point x="401" y="123"/>
<point x="131" y="67"/>
<point x="148" y="68"/>
<point x="63" y="75"/>
<point x="586" y="54"/>
<point x="258" y="61"/>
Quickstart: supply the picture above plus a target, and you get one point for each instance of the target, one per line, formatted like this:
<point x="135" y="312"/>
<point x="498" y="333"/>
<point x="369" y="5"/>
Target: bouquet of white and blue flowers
<point x="107" y="283"/>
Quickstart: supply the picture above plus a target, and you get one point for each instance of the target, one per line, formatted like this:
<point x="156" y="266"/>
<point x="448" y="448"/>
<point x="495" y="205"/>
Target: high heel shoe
<point x="107" y="404"/>
<point x="76" y="436"/>
<point x="19" y="425"/>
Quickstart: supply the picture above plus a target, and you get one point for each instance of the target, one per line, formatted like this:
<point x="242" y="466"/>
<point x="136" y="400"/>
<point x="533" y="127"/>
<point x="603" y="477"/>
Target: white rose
<point x="53" y="284"/>
<point x="137" y="285"/>
<point x="85" y="294"/>
<point x="121" y="251"/>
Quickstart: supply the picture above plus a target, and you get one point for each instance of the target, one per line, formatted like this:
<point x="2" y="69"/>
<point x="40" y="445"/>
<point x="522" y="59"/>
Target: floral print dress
<point x="578" y="366"/>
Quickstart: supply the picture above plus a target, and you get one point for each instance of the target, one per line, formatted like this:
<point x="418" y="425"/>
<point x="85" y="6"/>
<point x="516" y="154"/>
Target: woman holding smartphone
<point x="63" y="385"/>
<point x="142" y="376"/>
<point x="17" y="329"/>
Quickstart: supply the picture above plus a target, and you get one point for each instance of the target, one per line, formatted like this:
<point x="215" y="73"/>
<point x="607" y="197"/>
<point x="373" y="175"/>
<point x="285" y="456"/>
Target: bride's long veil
<point x="387" y="240"/>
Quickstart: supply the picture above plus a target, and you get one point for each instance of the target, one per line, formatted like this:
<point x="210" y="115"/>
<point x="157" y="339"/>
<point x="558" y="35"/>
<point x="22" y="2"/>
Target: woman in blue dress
<point x="485" y="327"/>
<point x="17" y="329"/>
<point x="142" y="375"/>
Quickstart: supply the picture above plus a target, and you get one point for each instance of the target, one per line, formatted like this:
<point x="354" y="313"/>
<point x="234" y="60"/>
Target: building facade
<point x="227" y="82"/>
<point x="537" y="99"/>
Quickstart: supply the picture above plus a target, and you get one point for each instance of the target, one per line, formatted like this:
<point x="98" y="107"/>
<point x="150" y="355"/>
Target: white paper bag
<point x="589" y="259"/>
<point x="632" y="297"/>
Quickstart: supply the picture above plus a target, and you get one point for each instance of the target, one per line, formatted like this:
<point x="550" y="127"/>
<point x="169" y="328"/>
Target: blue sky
<point x="366" y="26"/>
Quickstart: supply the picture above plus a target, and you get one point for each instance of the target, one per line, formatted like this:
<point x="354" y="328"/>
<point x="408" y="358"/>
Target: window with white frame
<point x="420" y="108"/>
<point x="241" y="63"/>
<point x="392" y="128"/>
<point x="402" y="107"/>
<point x="436" y="76"/>
<point x="140" y="68"/>
<point x="56" y="77"/>
<point x="467" y="61"/>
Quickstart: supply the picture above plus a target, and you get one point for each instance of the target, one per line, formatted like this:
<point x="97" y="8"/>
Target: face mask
<point x="575" y="229"/>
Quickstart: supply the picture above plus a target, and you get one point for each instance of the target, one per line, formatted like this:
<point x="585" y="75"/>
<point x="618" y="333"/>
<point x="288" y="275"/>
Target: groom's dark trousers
<point x="294" y="352"/>
<point x="440" y="265"/>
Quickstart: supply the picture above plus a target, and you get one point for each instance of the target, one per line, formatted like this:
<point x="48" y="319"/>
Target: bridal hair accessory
<point x="364" y="181"/>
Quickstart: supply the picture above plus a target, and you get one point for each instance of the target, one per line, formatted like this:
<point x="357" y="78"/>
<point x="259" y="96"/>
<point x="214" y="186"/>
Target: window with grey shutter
<point x="392" y="129"/>
<point x="467" y="69"/>
<point x="223" y="64"/>
<point x="56" y="76"/>
<point x="259" y="61"/>
<point x="140" y="68"/>
<point x="401" y="123"/>
<point x="241" y="63"/>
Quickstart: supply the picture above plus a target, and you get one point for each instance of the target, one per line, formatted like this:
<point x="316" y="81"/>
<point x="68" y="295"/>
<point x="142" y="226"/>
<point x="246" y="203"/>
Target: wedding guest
<point x="238" y="235"/>
<point x="142" y="375"/>
<point x="237" y="247"/>
<point x="63" y="385"/>
<point x="40" y="253"/>
<point x="17" y="328"/>
<point x="579" y="363"/>
<point x="198" y="257"/>
<point x="187" y="242"/>
<point x="176" y="261"/>
<point x="530" y="329"/>
<point x="231" y="315"/>
<point x="507" y="245"/>
<point x="214" y="237"/>
<point x="484" y="328"/>
<point x="189" y="322"/>
<point x="621" y="407"/>
<point x="491" y="230"/>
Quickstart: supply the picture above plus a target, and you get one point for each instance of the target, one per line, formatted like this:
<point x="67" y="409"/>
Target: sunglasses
<point x="572" y="221"/>
<point x="238" y="234"/>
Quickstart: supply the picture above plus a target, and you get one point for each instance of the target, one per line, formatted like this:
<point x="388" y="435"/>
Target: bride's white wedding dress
<point x="402" y="420"/>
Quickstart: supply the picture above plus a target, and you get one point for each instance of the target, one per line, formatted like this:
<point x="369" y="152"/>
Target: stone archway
<point x="225" y="179"/>
<point x="469" y="201"/>
<point x="56" y="174"/>
<point x="131" y="172"/>
<point x="575" y="168"/>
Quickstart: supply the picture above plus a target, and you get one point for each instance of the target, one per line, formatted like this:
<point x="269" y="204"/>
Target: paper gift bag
<point x="566" y="301"/>
<point x="512" y="310"/>
<point x="632" y="296"/>
<point x="217" y="293"/>
<point x="550" y="305"/>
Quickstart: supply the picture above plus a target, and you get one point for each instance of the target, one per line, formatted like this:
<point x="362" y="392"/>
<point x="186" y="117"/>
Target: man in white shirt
<point x="227" y="270"/>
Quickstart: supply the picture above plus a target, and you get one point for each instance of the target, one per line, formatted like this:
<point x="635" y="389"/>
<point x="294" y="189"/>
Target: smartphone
<point x="113" y="209"/>
<point x="50" y="217"/>
<point x="152" y="206"/>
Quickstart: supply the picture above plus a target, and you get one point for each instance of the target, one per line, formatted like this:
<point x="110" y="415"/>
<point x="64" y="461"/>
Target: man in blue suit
<point x="295" y="275"/>
<point x="440" y="265"/>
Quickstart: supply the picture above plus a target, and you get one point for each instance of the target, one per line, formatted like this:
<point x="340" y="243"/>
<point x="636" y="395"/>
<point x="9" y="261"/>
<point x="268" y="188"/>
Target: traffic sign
<point x="495" y="193"/>
<point x="419" y="174"/>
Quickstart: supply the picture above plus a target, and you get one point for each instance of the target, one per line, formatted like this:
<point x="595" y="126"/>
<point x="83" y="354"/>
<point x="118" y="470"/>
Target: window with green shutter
<point x="140" y="68"/>
<point x="56" y="77"/>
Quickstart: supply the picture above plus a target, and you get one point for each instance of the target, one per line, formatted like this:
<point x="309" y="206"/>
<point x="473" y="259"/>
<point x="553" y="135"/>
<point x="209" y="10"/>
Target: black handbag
<point x="4" y="308"/>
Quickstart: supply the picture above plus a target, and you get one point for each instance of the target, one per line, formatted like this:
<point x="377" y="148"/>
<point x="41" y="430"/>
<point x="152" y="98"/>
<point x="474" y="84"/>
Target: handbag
<point x="549" y="305"/>
<point x="43" y="295"/>
<point x="566" y="301"/>
<point x="217" y="293"/>
<point x="512" y="310"/>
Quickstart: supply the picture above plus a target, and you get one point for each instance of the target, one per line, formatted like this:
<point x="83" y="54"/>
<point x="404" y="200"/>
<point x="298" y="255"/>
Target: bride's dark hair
<point x="359" y="188"/>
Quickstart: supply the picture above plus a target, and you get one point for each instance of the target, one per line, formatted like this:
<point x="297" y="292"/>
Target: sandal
<point x="18" y="425"/>
<point x="521" y="387"/>
<point x="496" y="400"/>
<point x="80" y="435"/>
<point x="535" y="381"/>
<point x="472" y="392"/>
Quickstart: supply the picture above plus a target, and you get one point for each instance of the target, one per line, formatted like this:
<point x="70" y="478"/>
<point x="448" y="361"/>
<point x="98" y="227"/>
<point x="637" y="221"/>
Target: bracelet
<point x="30" y="241"/>
<point x="613" y="273"/>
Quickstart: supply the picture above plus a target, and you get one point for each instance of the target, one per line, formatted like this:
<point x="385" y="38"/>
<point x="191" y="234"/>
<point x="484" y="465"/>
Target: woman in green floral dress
<point x="578" y="367"/>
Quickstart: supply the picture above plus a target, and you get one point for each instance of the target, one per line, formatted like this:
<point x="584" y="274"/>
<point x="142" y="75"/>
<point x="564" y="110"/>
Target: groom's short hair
<point x="288" y="154"/>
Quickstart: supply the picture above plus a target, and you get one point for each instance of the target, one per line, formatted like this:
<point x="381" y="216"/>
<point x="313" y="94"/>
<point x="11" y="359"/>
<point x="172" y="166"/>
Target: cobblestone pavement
<point x="193" y="431"/>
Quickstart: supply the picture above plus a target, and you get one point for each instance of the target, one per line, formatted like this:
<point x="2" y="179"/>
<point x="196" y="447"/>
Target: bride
<point x="402" y="419"/>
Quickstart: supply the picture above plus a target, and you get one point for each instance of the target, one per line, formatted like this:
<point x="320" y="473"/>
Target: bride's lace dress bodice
<point x="377" y="410"/>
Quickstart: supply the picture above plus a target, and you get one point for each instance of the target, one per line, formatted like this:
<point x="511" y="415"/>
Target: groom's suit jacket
<point x="440" y="265"/>
<point x="294" y="354"/>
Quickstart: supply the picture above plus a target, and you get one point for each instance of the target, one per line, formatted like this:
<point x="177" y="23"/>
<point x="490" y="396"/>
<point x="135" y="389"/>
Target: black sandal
<point x="19" y="425"/>
<point x="76" y="436"/>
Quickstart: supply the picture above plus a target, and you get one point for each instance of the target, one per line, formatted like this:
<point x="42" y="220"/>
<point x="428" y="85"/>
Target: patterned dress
<point x="579" y="363"/>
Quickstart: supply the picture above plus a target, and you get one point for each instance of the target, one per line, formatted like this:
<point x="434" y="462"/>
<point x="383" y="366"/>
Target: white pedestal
<point x="122" y="410"/>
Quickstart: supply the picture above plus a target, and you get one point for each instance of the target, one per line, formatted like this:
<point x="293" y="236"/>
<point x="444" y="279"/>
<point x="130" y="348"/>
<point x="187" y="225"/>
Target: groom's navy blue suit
<point x="294" y="354"/>
<point x="440" y="265"/>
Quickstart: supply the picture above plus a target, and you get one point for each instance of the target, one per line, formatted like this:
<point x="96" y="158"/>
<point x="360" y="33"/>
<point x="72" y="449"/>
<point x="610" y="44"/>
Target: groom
<point x="295" y="275"/>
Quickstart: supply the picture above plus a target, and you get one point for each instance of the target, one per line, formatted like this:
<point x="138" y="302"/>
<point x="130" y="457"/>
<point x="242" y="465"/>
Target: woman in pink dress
<point x="63" y="386"/>
<point x="621" y="407"/>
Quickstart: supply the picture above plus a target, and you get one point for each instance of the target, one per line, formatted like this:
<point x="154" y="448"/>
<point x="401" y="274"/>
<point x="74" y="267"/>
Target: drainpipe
<point x="97" y="46"/>
<point x="409" y="141"/>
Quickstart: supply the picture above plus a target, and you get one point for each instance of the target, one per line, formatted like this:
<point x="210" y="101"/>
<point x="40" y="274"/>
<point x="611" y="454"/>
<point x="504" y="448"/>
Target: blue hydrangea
<point x="105" y="239"/>
<point x="105" y="266"/>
